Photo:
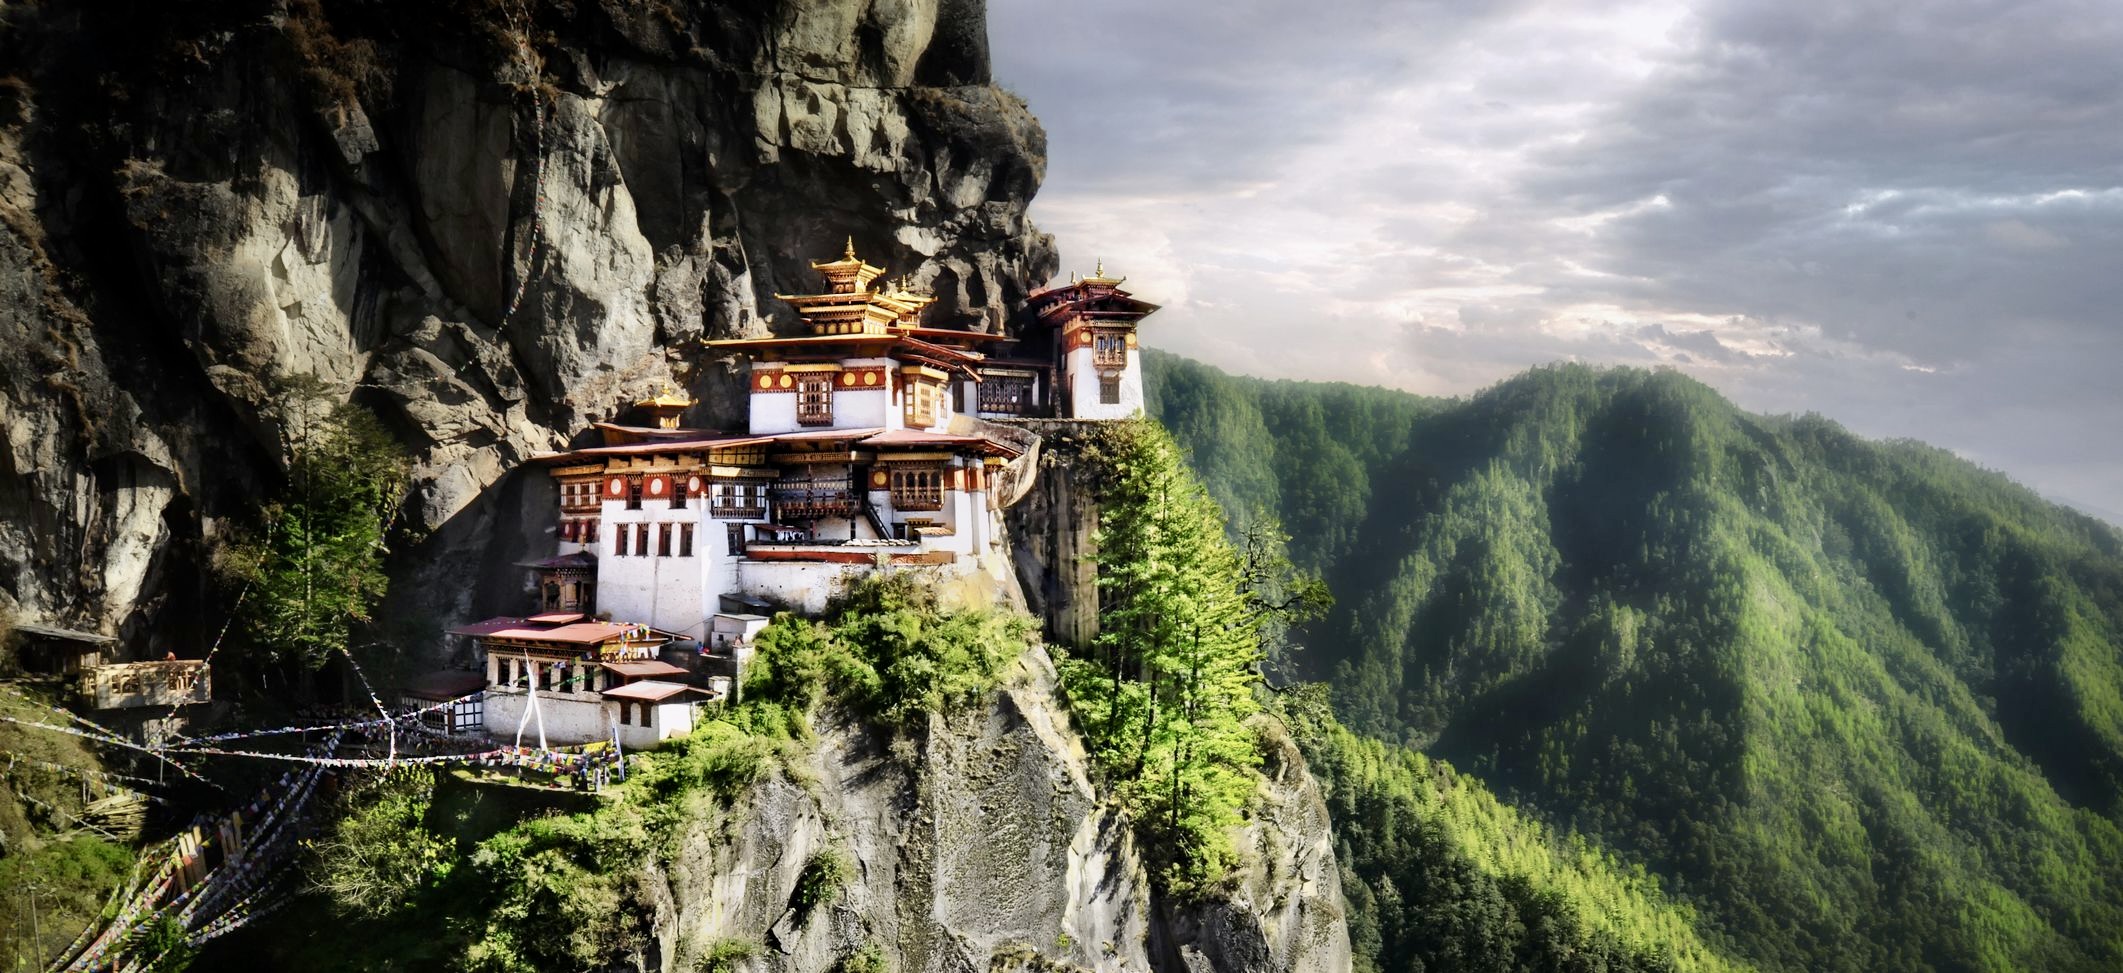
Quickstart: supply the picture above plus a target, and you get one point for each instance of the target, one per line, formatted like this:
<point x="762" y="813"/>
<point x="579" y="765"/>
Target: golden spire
<point x="665" y="405"/>
<point x="1098" y="276"/>
<point x="849" y="274"/>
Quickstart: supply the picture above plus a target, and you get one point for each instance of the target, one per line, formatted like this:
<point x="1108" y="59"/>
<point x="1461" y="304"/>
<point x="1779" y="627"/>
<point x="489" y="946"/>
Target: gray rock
<point x="981" y="844"/>
<point x="205" y="221"/>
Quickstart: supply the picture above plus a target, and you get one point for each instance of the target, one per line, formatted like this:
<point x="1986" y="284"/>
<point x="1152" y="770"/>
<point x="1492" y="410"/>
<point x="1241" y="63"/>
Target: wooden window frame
<point x="685" y="540"/>
<point x="663" y="540"/>
<point x="738" y="500"/>
<point x="918" y="486"/>
<point x="620" y="534"/>
<point x="1019" y="401"/>
<point x="1108" y="349"/>
<point x="1108" y="389"/>
<point x="918" y="403"/>
<point x="814" y="398"/>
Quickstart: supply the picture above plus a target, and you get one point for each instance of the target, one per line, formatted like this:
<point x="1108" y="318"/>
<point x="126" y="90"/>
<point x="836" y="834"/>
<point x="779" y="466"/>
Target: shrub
<point x="888" y="649"/>
<point x="724" y="956"/>
<point x="868" y="959"/>
<point x="378" y="854"/>
<point x="822" y="880"/>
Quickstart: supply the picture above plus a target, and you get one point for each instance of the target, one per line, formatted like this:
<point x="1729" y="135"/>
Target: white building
<point x="867" y="443"/>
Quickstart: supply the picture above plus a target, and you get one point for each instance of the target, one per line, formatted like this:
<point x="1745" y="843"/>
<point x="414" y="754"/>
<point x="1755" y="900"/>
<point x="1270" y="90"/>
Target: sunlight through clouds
<point x="1892" y="220"/>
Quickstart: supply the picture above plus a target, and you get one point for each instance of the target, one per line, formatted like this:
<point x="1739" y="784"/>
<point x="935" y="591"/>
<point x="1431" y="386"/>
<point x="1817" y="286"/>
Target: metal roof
<point x="65" y="634"/>
<point x="445" y="684"/>
<point x="639" y="670"/>
<point x="651" y="691"/>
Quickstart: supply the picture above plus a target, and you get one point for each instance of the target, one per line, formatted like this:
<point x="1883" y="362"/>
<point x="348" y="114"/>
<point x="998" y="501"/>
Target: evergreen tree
<point x="312" y="572"/>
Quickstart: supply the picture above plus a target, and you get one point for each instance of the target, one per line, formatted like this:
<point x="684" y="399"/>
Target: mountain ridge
<point x="1857" y="700"/>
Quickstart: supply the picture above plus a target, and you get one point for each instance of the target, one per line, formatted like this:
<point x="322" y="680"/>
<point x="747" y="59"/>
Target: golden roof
<point x="667" y="398"/>
<point x="1098" y="276"/>
<point x="849" y="274"/>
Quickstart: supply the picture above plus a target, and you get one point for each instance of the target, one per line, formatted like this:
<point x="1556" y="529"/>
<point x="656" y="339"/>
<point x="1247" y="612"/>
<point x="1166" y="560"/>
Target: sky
<point x="1906" y="216"/>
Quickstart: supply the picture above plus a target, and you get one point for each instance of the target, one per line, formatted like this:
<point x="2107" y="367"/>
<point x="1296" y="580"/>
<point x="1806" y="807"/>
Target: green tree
<point x="1170" y="682"/>
<point x="313" y="570"/>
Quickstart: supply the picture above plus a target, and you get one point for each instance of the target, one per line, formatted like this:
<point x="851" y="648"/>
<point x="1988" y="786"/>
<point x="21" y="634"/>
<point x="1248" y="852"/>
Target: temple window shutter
<point x="917" y="486"/>
<point x="814" y="398"/>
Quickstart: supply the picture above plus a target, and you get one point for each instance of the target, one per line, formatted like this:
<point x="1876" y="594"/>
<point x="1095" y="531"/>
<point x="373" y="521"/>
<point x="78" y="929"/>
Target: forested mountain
<point x="1860" y="702"/>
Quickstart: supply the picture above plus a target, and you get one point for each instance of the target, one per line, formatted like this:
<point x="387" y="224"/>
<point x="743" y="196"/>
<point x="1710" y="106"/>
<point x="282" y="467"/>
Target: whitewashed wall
<point x="1083" y="387"/>
<point x="570" y="718"/>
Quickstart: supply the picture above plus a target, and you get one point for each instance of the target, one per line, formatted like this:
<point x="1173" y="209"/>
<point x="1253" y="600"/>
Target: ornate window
<point x="808" y="496"/>
<point x="1109" y="350"/>
<point x="917" y="486"/>
<point x="920" y="403"/>
<point x="1009" y="395"/>
<point x="814" y="398"/>
<point x="738" y="499"/>
<point x="1109" y="389"/>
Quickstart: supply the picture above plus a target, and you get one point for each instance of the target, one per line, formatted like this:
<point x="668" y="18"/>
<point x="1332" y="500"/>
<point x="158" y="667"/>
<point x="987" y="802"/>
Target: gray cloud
<point x="1906" y="217"/>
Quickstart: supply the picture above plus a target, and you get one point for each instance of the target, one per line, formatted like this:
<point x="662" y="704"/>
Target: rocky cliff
<point x="490" y="221"/>
<point x="984" y="846"/>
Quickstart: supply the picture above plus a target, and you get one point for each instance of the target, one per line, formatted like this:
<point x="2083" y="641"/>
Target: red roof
<point x="530" y="629"/>
<point x="556" y="618"/>
<point x="658" y="432"/>
<point x="579" y="633"/>
<point x="579" y="559"/>
<point x="955" y="333"/>
<point x="488" y="627"/>
<point x="639" y="670"/>
<point x="446" y="684"/>
<point x="715" y="441"/>
<point x="824" y="435"/>
<point x="651" y="691"/>
<point x="914" y="437"/>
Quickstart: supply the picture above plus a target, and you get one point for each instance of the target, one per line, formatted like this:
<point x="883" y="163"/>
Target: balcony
<point x="811" y="499"/>
<point x="735" y="508"/>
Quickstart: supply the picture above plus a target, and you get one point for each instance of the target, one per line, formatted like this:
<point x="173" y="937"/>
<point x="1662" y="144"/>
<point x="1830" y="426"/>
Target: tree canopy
<point x="1859" y="702"/>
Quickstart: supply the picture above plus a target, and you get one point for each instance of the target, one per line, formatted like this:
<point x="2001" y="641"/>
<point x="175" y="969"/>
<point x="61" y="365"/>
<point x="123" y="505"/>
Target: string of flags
<point x="15" y="760"/>
<point x="191" y="743"/>
<point x="254" y="843"/>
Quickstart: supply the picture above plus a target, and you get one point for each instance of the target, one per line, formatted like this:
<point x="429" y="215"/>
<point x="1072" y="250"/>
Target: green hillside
<point x="1860" y="702"/>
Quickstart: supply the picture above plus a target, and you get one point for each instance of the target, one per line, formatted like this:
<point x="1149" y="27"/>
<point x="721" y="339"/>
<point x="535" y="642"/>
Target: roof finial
<point x="850" y="254"/>
<point x="1100" y="270"/>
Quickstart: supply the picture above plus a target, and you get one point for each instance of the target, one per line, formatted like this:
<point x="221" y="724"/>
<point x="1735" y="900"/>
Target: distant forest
<point x="1857" y="704"/>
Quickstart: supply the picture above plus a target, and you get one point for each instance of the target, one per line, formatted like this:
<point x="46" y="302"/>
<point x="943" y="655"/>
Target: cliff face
<point x="491" y="222"/>
<point x="986" y="847"/>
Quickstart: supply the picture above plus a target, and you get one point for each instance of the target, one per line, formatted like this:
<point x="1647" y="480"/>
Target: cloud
<point x="1905" y="218"/>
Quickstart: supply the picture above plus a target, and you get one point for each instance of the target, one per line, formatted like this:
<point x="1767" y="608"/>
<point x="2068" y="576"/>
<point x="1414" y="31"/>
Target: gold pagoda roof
<point x="848" y="275"/>
<point x="1098" y="276"/>
<point x="667" y="398"/>
<point x="849" y="306"/>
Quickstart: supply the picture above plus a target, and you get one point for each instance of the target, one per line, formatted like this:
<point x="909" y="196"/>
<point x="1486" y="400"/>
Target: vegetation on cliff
<point x="415" y="875"/>
<point x="309" y="574"/>
<point x="57" y="864"/>
<point x="1860" y="703"/>
<point x="1164" y="694"/>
